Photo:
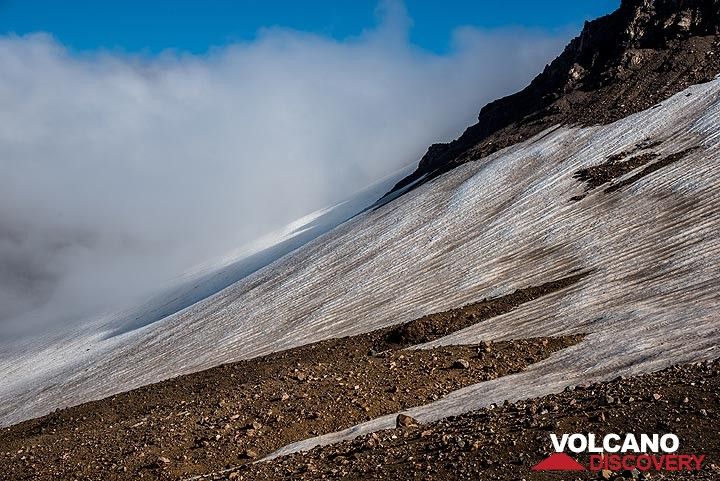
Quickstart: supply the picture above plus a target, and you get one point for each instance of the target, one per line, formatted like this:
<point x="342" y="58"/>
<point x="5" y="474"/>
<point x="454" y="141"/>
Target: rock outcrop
<point x="620" y="64"/>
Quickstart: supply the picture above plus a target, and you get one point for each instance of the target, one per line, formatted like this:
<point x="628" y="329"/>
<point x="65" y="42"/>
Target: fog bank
<point x="120" y="172"/>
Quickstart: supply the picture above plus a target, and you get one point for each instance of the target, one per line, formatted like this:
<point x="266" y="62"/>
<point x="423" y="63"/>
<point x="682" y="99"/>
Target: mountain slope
<point x="486" y="228"/>
<point x="632" y="203"/>
<point x="620" y="64"/>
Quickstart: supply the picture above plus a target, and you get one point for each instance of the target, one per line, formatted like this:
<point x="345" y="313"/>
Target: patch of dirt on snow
<point x="654" y="167"/>
<point x="434" y="326"/>
<point x="618" y="165"/>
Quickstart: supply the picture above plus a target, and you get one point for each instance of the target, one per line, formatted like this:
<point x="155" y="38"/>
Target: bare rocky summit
<point x="622" y="63"/>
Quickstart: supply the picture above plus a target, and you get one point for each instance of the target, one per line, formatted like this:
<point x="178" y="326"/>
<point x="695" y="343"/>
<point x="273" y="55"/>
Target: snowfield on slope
<point x="503" y="222"/>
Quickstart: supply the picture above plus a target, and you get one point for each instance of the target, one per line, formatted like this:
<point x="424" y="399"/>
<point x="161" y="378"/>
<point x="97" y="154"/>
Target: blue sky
<point x="195" y="26"/>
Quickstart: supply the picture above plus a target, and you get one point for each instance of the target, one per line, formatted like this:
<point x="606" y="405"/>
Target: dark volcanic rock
<point x="622" y="63"/>
<point x="405" y="421"/>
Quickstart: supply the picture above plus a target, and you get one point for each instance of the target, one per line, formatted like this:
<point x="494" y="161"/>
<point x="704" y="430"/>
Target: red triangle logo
<point x="558" y="462"/>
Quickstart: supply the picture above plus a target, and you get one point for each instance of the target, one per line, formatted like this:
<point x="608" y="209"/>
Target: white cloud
<point x="119" y="172"/>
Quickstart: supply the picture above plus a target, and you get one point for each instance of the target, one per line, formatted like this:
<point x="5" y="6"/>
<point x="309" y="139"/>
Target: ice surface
<point x="484" y="229"/>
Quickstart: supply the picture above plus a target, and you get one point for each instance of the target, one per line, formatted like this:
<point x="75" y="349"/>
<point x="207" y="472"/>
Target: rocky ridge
<point x="620" y="64"/>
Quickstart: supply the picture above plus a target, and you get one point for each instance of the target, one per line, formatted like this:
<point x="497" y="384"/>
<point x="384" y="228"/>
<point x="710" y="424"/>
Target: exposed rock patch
<point x="434" y="326"/>
<point x="618" y="165"/>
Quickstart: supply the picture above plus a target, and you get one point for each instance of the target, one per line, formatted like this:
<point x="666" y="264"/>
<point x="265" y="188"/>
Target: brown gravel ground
<point x="237" y="413"/>
<point x="504" y="442"/>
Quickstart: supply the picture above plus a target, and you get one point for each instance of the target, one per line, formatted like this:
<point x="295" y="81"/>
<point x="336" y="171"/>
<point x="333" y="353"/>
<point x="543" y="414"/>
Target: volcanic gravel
<point x="238" y="413"/>
<point x="504" y="442"/>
